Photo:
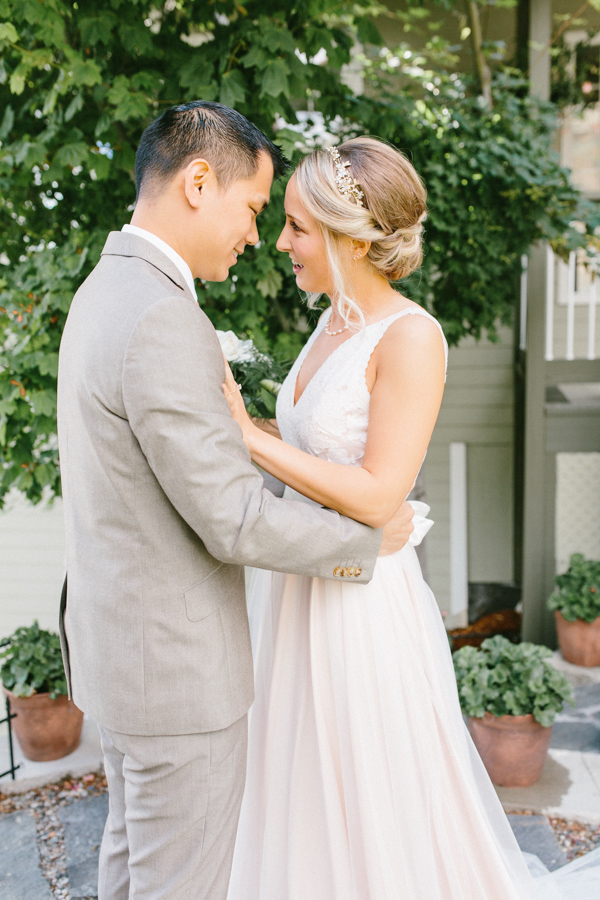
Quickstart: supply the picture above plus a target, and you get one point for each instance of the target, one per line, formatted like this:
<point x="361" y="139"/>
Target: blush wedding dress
<point x="362" y="781"/>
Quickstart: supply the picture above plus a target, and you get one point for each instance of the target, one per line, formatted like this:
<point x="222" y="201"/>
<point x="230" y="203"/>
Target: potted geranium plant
<point x="576" y="605"/>
<point x="511" y="696"/>
<point x="47" y="724"/>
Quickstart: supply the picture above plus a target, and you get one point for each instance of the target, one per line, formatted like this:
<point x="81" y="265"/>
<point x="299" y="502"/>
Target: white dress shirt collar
<point x="175" y="258"/>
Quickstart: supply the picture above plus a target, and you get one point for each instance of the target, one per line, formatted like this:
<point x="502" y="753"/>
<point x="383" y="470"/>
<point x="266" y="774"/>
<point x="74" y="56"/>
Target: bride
<point x="362" y="781"/>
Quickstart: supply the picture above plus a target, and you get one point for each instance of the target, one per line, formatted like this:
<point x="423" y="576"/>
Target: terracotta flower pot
<point x="579" y="641"/>
<point x="46" y="729"/>
<point x="513" y="748"/>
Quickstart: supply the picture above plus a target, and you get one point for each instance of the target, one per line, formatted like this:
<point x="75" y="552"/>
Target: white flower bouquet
<point x="258" y="373"/>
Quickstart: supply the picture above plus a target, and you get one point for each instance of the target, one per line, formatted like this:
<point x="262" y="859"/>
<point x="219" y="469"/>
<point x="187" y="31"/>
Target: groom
<point x="163" y="509"/>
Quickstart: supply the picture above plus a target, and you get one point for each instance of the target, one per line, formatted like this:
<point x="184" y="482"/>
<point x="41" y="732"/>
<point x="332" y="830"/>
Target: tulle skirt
<point x="363" y="782"/>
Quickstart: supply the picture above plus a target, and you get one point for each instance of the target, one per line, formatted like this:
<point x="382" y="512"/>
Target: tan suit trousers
<point x="174" y="804"/>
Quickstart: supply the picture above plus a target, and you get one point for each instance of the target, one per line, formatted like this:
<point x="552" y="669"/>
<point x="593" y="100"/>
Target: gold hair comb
<point x="345" y="183"/>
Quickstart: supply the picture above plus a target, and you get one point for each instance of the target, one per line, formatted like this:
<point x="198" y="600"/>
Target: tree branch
<point x="484" y="73"/>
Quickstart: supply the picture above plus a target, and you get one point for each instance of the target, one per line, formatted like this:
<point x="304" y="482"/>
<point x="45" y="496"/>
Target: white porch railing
<point x="571" y="309"/>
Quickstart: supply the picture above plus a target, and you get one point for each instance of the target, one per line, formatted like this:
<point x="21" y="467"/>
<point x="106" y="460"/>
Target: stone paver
<point x="20" y="875"/>
<point x="83" y="822"/>
<point x="534" y="834"/>
<point x="577" y="675"/>
<point x="579" y="728"/>
<point x="568" y="788"/>
<point x="86" y="758"/>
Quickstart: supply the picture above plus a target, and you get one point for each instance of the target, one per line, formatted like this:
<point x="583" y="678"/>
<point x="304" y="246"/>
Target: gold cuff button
<point x="337" y="570"/>
<point x="358" y="572"/>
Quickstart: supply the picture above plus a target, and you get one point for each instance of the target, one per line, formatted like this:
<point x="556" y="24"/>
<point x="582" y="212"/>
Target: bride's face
<point x="302" y="240"/>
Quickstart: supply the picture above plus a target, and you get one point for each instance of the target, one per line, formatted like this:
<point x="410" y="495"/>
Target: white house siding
<point x="478" y="409"/>
<point x="32" y="551"/>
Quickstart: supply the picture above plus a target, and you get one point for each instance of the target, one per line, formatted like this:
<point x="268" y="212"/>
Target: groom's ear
<point x="197" y="175"/>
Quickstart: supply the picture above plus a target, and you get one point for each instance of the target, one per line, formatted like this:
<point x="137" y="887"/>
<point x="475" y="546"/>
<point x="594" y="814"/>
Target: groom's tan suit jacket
<point x="163" y="507"/>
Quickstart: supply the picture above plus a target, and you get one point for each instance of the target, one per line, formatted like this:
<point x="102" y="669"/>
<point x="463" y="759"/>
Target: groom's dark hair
<point x="218" y="134"/>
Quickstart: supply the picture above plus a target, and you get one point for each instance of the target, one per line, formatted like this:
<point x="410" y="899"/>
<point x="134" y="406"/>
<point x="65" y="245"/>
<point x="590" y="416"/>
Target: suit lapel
<point x="123" y="243"/>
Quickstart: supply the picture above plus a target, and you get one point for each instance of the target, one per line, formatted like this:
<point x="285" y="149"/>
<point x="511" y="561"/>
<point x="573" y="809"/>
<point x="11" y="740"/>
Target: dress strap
<point x="374" y="332"/>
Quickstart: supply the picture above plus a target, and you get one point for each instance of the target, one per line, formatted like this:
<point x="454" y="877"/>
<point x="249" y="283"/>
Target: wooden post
<point x="540" y="35"/>
<point x="535" y="471"/>
<point x="537" y="621"/>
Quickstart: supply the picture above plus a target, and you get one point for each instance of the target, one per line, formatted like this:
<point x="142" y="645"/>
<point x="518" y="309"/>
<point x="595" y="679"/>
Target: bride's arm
<point x="409" y="367"/>
<point x="267" y="425"/>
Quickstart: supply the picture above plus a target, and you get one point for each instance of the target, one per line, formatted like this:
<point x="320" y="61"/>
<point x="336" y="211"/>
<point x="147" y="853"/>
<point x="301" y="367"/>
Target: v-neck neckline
<point x="307" y="349"/>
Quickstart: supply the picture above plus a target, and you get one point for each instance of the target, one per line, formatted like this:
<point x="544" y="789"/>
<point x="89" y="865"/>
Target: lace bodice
<point x="331" y="418"/>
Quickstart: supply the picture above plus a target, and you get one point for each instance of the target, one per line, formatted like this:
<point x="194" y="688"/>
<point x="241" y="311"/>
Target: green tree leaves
<point x="8" y="32"/>
<point x="275" y="78"/>
<point x="79" y="85"/>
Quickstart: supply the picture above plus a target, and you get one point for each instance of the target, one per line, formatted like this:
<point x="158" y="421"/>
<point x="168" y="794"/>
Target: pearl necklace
<point x="333" y="333"/>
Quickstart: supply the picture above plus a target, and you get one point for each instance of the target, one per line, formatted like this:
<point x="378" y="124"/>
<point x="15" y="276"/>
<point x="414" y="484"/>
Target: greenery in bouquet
<point x="33" y="663"/>
<point x="259" y="374"/>
<point x="507" y="679"/>
<point x="577" y="591"/>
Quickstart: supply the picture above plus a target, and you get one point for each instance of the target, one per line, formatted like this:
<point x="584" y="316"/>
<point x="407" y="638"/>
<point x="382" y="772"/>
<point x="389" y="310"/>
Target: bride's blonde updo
<point x="391" y="215"/>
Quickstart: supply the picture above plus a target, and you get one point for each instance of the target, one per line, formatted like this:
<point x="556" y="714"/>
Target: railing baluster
<point x="592" y="302"/>
<point x="549" y="352"/>
<point x="523" y="306"/>
<point x="571" y="307"/>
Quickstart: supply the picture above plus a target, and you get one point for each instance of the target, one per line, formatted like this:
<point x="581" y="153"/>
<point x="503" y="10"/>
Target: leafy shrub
<point x="78" y="86"/>
<point x="577" y="591"/>
<point x="33" y="663"/>
<point x="507" y="679"/>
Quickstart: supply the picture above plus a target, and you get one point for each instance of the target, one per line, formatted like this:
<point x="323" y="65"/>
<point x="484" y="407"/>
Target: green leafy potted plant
<point x="511" y="696"/>
<point x="576" y="605"/>
<point x="47" y="724"/>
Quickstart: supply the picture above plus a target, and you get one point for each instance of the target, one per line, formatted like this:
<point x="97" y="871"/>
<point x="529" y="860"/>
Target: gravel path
<point x="45" y="803"/>
<point x="575" y="838"/>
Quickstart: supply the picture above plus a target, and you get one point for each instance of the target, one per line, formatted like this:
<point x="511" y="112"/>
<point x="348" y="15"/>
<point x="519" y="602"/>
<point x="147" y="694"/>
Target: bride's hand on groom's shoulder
<point x="398" y="530"/>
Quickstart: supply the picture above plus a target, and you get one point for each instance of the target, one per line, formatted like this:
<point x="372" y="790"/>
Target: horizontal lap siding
<point x="477" y="409"/>
<point x="31" y="565"/>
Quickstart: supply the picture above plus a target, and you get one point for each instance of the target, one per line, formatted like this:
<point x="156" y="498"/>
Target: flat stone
<point x="83" y="822"/>
<point x="20" y="874"/>
<point x="86" y="758"/>
<point x="587" y="695"/>
<point x="576" y="735"/>
<point x="578" y="728"/>
<point x="569" y="787"/>
<point x="534" y="834"/>
<point x="577" y="675"/>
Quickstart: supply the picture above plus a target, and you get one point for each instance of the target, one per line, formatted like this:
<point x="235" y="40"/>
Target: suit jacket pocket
<point x="204" y="597"/>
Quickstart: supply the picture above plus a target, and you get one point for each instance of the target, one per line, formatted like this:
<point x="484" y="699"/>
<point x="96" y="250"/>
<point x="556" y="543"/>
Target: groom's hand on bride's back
<point x="398" y="530"/>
